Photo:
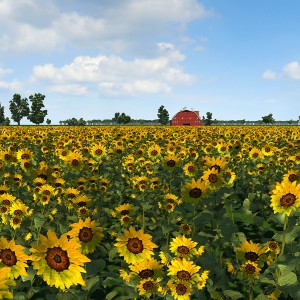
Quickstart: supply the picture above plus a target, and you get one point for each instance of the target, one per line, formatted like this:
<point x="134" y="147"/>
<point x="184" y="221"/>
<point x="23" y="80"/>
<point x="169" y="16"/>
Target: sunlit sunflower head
<point x="98" y="150"/>
<point x="74" y="160"/>
<point x="292" y="176"/>
<point x="285" y="197"/>
<point x="213" y="178"/>
<point x="190" y="169"/>
<point x="229" y="176"/>
<point x="170" y="162"/>
<point x="135" y="245"/>
<point x="180" y="290"/>
<point x="7" y="199"/>
<point x="148" y="268"/>
<point x="87" y="234"/>
<point x="27" y="165"/>
<point x="268" y="150"/>
<point x="172" y="199"/>
<point x="5" y="283"/>
<point x="24" y="154"/>
<point x="218" y="163"/>
<point x="249" y="251"/>
<point x="59" y="260"/>
<point x="183" y="247"/>
<point x="272" y="246"/>
<point x="184" y="270"/>
<point x="250" y="270"/>
<point x="18" y="208"/>
<point x="14" y="257"/>
<point x="154" y="151"/>
<point x="255" y="154"/>
<point x="203" y="279"/>
<point x="194" y="191"/>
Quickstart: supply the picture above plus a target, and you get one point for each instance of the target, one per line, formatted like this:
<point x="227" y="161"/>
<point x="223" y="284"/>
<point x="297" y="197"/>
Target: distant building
<point x="186" y="118"/>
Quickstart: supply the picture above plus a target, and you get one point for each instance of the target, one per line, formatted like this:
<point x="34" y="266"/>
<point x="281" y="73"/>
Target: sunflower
<point x="185" y="229"/>
<point x="230" y="176"/>
<point x="285" y="197"/>
<point x="24" y="154"/>
<point x="213" y="178"/>
<point x="291" y="176"/>
<point x="203" y="279"/>
<point x="183" y="270"/>
<point x="87" y="234"/>
<point x="26" y="165"/>
<point x="59" y="260"/>
<point x="154" y="151"/>
<point x="124" y="209"/>
<point x="74" y="161"/>
<point x="250" y="270"/>
<point x="98" y="151"/>
<point x="19" y="209"/>
<point x="170" y="162"/>
<point x="180" y="290"/>
<point x="189" y="169"/>
<point x="13" y="256"/>
<point x="249" y="251"/>
<point x="216" y="163"/>
<point x="255" y="153"/>
<point x="135" y="245"/>
<point x="7" y="199"/>
<point x="193" y="191"/>
<point x="5" y="282"/>
<point x="183" y="247"/>
<point x="148" y="287"/>
<point x="148" y="268"/>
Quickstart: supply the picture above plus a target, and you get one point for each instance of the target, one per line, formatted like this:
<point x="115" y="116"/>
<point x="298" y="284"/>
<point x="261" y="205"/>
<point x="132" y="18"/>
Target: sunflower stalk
<point x="283" y="235"/>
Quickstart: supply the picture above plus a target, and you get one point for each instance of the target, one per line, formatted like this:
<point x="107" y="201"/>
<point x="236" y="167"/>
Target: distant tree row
<point x="19" y="108"/>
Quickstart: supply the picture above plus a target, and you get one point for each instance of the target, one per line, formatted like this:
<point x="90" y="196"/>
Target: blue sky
<point x="236" y="59"/>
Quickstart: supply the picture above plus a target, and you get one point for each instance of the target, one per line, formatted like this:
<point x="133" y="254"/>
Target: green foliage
<point x="121" y="118"/>
<point x="163" y="115"/>
<point x="2" y="116"/>
<point x="19" y="108"/>
<point x="48" y="121"/>
<point x="37" y="115"/>
<point x="208" y="120"/>
<point x="75" y="122"/>
<point x="268" y="119"/>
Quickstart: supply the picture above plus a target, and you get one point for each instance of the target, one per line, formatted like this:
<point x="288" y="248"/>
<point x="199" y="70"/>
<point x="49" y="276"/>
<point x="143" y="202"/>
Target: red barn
<point x="186" y="117"/>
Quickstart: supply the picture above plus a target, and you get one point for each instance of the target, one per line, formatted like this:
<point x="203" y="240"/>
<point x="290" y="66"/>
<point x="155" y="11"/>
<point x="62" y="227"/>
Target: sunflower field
<point x="156" y="212"/>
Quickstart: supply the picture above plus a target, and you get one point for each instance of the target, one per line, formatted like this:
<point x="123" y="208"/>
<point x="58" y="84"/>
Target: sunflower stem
<point x="194" y="215"/>
<point x="283" y="234"/>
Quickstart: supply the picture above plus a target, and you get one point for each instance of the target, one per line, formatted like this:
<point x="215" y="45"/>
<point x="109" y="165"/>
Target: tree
<point x="208" y="120"/>
<point x="37" y="115"/>
<point x="121" y="118"/>
<point x="19" y="108"/>
<point x="163" y="115"/>
<point x="268" y="119"/>
<point x="48" y="121"/>
<point x="2" y="116"/>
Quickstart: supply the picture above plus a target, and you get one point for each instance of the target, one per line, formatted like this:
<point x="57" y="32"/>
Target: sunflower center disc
<point x="146" y="273"/>
<point x="250" y="269"/>
<point x="85" y="234"/>
<point x="57" y="259"/>
<point x="213" y="178"/>
<point x="147" y="286"/>
<point x="195" y="193"/>
<point x="183" y="250"/>
<point x="183" y="275"/>
<point x="191" y="169"/>
<point x="288" y="200"/>
<point x="180" y="289"/>
<point x="8" y="257"/>
<point x="135" y="245"/>
<point x="251" y="256"/>
<point x="171" y="163"/>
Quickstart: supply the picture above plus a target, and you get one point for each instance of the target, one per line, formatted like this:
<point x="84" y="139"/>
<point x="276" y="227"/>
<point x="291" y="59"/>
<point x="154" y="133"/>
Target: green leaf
<point x="111" y="295"/>
<point x="287" y="279"/>
<point x="39" y="221"/>
<point x="233" y="294"/>
<point x="91" y="283"/>
<point x="292" y="235"/>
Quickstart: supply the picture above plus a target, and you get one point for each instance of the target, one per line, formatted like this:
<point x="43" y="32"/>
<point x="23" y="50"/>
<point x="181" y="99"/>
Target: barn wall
<point x="186" y="118"/>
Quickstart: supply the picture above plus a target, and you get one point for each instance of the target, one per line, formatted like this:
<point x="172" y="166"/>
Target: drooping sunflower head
<point x="170" y="162"/>
<point x="148" y="268"/>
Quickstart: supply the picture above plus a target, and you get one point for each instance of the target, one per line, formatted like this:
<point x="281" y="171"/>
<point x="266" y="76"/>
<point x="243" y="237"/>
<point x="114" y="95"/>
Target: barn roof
<point x="187" y="110"/>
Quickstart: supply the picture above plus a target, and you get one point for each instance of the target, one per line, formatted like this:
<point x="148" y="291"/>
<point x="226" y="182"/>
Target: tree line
<point x="19" y="108"/>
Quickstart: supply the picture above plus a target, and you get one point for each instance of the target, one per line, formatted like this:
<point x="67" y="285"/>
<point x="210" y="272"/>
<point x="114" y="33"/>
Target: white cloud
<point x="113" y="74"/>
<point x="5" y="71"/>
<point x="69" y="89"/>
<point x="292" y="70"/>
<point x="33" y="25"/>
<point x="269" y="75"/>
<point x="13" y="85"/>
